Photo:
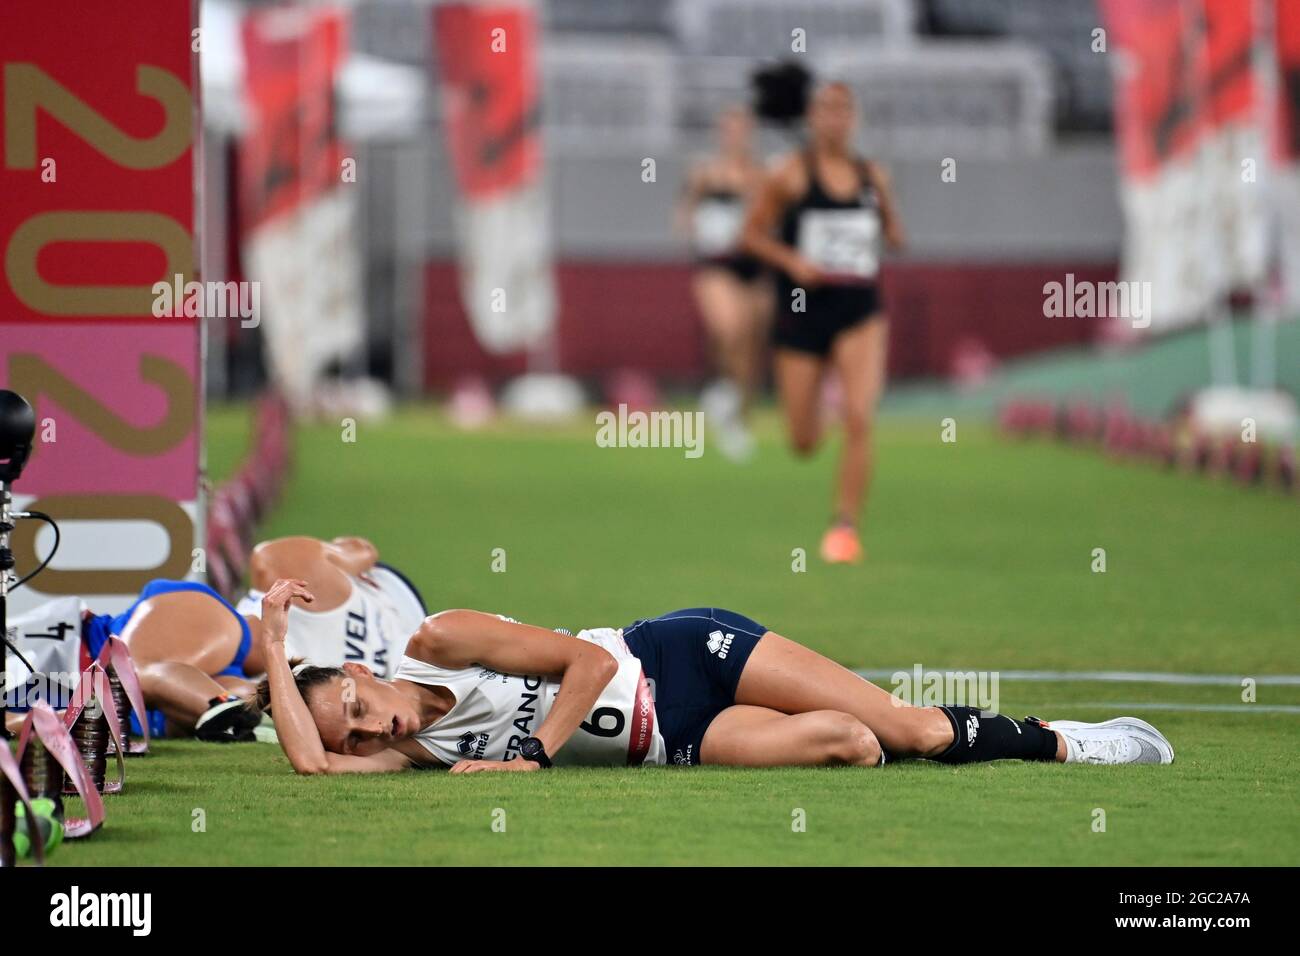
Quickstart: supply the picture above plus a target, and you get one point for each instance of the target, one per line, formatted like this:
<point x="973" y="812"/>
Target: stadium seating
<point x="763" y="28"/>
<point x="949" y="98"/>
<point x="613" y="16"/>
<point x="1062" y="30"/>
<point x="601" y="91"/>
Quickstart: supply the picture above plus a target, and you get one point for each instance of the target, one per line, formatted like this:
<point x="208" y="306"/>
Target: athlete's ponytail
<point x="305" y="677"/>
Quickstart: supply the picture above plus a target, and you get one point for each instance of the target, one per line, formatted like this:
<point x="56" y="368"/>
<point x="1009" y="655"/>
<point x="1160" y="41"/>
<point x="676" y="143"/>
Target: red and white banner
<point x="98" y="205"/>
<point x="1286" y="146"/>
<point x="1187" y="123"/>
<point x="298" y="196"/>
<point x="487" y="56"/>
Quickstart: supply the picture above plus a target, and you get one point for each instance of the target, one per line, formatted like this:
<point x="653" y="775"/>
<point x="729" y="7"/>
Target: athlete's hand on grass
<point x="275" y="608"/>
<point x="507" y="766"/>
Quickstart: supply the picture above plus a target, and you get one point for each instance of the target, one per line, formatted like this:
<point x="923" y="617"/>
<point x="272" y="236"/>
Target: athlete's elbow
<point x="603" y="664"/>
<point x="311" y="768"/>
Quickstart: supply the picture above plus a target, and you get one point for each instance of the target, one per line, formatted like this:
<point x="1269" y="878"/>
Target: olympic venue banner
<point x="1200" y="129"/>
<point x="97" y="152"/>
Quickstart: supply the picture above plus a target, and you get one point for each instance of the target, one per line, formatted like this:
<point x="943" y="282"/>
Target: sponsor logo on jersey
<point x="972" y="729"/>
<point x="472" y="746"/>
<point x="720" y="644"/>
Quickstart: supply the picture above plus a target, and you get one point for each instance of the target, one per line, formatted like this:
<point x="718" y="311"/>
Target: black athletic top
<point x="842" y="236"/>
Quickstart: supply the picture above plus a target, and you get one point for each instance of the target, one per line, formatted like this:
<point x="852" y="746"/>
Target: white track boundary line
<point x="1116" y="677"/>
<point x="1192" y="708"/>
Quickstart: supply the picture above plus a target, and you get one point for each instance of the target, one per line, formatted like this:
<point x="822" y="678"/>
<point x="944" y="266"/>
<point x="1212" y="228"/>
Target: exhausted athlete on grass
<point x="198" y="657"/>
<point x="477" y="691"/>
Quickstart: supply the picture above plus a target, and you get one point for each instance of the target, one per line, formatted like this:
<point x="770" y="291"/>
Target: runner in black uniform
<point x="820" y="220"/>
<point x="729" y="285"/>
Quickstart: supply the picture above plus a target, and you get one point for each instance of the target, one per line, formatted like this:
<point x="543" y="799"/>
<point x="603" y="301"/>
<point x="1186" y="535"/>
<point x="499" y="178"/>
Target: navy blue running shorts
<point x="693" y="658"/>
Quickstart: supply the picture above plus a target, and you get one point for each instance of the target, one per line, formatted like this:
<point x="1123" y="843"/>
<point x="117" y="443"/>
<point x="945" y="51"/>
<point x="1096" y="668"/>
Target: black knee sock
<point x="978" y="736"/>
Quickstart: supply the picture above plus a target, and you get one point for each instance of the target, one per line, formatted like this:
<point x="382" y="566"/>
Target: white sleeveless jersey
<point x="494" y="712"/>
<point x="371" y="627"/>
<point x="716" y="225"/>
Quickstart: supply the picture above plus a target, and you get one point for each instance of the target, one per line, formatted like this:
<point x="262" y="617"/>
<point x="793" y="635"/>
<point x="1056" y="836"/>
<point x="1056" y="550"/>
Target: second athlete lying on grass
<point x="479" y="692"/>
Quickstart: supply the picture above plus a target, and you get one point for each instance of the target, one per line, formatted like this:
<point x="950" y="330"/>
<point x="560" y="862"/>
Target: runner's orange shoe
<point x="840" y="545"/>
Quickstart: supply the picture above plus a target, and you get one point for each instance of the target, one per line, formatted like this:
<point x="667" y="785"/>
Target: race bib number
<point x="621" y="727"/>
<point x="48" y="638"/>
<point x="841" y="242"/>
<point x="717" y="226"/>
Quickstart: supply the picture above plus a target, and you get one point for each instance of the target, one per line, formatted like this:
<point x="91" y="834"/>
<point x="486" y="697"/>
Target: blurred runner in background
<point x="729" y="285"/>
<point x="819" y="221"/>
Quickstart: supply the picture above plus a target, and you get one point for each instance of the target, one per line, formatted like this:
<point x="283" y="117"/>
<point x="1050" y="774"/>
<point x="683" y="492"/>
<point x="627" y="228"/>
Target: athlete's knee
<point x="151" y="674"/>
<point x="857" y="425"/>
<point x="847" y="740"/>
<point x="803" y="442"/>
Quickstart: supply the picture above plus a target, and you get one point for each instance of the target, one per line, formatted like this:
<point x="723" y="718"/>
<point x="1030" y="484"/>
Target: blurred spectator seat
<point x="708" y="84"/>
<point x="1062" y="29"/>
<point x="763" y="28"/>
<point x="601" y="91"/>
<point x="967" y="17"/>
<point x="393" y="29"/>
<point x="607" y="16"/>
<point x="949" y="98"/>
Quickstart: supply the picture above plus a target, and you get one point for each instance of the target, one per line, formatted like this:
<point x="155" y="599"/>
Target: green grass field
<point x="980" y="556"/>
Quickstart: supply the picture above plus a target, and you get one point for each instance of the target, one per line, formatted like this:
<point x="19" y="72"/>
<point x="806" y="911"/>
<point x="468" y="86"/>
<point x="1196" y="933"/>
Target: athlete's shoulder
<point x="874" y="173"/>
<point x="789" y="172"/>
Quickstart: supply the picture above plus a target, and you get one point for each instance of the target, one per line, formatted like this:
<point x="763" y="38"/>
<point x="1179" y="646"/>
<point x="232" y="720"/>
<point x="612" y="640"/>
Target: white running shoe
<point x="720" y="401"/>
<point x="1121" y="740"/>
<point x="722" y="406"/>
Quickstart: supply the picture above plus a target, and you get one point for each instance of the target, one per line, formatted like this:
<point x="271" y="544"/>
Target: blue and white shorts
<point x="694" y="658"/>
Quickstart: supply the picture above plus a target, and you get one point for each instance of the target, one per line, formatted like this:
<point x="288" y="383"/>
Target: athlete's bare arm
<point x="294" y="725"/>
<point x="689" y="199"/>
<point x="326" y="566"/>
<point x="457" y="639"/>
<point x="781" y="187"/>
<point x="891" y="223"/>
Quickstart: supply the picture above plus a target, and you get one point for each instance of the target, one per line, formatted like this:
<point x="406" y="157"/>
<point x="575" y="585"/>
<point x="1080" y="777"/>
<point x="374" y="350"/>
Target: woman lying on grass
<point x="478" y="692"/>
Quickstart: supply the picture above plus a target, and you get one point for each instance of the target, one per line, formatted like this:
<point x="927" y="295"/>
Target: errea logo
<point x="720" y="643"/>
<point x="74" y="908"/>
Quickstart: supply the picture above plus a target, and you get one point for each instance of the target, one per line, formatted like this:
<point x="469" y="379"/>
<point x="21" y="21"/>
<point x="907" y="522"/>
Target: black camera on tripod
<point x="17" y="429"/>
